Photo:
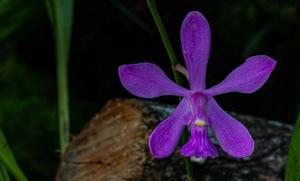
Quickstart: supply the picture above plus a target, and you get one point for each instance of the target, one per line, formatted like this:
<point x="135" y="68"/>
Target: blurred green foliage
<point x="23" y="114"/>
<point x="292" y="172"/>
<point x="28" y="115"/>
<point x="7" y="161"/>
<point x="13" y="14"/>
<point x="4" y="176"/>
<point x="259" y="18"/>
<point x="131" y="15"/>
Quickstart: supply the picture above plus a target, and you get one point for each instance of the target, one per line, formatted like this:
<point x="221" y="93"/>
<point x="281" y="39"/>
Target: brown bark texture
<point x="113" y="146"/>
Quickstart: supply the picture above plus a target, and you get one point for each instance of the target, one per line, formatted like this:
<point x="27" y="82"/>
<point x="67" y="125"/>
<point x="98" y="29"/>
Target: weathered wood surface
<point x="113" y="147"/>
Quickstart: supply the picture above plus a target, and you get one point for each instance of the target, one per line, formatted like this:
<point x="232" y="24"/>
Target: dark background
<point x="105" y="37"/>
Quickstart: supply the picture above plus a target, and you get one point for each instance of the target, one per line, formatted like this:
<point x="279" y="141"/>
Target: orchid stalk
<point x="198" y="110"/>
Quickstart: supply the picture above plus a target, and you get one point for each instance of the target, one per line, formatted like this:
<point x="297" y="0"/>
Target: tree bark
<point x="113" y="146"/>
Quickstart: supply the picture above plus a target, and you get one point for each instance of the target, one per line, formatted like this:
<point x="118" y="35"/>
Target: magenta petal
<point x="195" y="42"/>
<point x="246" y="78"/>
<point x="148" y="81"/>
<point x="166" y="135"/>
<point x="233" y="137"/>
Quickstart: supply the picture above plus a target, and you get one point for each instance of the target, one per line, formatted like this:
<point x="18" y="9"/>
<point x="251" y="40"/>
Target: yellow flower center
<point x="200" y="123"/>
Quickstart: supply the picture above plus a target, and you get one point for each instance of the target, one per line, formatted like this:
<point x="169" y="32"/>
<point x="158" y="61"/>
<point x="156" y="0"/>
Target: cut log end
<point x="113" y="146"/>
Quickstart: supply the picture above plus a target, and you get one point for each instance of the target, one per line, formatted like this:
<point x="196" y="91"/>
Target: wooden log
<point x="113" y="146"/>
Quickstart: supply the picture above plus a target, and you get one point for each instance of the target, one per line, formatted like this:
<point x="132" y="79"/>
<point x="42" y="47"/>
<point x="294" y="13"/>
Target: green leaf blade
<point x="292" y="172"/>
<point x="8" y="160"/>
<point x="61" y="16"/>
<point x="4" y="173"/>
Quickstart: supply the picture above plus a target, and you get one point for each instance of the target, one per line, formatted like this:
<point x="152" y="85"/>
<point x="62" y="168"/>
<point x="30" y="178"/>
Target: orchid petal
<point x="233" y="137"/>
<point x="165" y="137"/>
<point x="246" y="78"/>
<point x="147" y="80"/>
<point x="195" y="42"/>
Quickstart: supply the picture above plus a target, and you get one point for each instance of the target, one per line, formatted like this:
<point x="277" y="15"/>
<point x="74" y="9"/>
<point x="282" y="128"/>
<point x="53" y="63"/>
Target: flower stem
<point x="174" y="61"/>
<point x="163" y="34"/>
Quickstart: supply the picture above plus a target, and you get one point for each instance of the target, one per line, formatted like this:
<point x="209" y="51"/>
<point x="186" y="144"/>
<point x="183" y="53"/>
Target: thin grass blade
<point x="61" y="16"/>
<point x="8" y="159"/>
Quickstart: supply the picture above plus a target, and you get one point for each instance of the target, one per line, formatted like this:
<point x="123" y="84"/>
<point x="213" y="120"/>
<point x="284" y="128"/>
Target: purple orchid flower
<point x="198" y="109"/>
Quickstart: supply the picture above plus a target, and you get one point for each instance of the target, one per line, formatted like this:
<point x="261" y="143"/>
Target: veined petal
<point x="246" y="78"/>
<point x="148" y="81"/>
<point x="166" y="135"/>
<point x="195" y="42"/>
<point x="233" y="137"/>
<point x="199" y="145"/>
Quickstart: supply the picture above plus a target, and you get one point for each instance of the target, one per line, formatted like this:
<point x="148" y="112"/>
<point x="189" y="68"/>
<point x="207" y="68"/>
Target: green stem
<point x="174" y="61"/>
<point x="163" y="34"/>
